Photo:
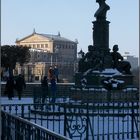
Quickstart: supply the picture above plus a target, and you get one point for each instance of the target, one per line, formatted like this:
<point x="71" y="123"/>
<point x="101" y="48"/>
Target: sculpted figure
<point x="81" y="63"/>
<point x="101" y="12"/>
<point x="89" y="57"/>
<point x="90" y="60"/>
<point x="118" y="62"/>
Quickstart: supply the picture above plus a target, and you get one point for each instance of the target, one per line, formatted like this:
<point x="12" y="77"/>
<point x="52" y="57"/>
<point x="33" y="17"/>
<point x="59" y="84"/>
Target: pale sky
<point x="73" y="19"/>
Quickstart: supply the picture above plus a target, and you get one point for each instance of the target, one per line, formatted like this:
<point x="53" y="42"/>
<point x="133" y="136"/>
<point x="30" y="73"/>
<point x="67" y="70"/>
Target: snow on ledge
<point x="108" y="72"/>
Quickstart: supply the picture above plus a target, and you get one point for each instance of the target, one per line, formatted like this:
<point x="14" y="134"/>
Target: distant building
<point x="132" y="59"/>
<point x="46" y="50"/>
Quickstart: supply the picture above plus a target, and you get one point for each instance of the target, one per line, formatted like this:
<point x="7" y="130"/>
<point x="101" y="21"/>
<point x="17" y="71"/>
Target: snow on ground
<point x="55" y="125"/>
<point x="15" y="100"/>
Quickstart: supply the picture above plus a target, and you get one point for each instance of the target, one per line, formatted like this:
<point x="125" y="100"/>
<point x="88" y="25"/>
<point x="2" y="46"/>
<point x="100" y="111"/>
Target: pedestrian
<point x="44" y="85"/>
<point x="20" y="84"/>
<point x="50" y="73"/>
<point x="52" y="79"/>
<point x="56" y="72"/>
<point x="53" y="88"/>
<point x="9" y="87"/>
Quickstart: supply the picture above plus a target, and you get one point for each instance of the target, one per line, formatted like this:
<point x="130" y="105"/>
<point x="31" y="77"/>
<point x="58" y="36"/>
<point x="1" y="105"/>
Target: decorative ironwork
<point x="79" y="116"/>
<point x="76" y="126"/>
<point x="16" y="128"/>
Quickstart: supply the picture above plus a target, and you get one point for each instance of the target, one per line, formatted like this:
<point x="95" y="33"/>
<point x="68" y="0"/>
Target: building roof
<point x="56" y="37"/>
<point x="49" y="36"/>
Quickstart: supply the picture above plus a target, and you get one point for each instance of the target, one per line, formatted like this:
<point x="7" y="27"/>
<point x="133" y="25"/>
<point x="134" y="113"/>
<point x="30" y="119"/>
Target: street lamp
<point x="56" y="51"/>
<point x="51" y="58"/>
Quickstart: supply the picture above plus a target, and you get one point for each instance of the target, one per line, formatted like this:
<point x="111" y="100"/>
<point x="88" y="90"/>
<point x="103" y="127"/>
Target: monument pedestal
<point x="99" y="66"/>
<point x="93" y="80"/>
<point x="128" y="79"/>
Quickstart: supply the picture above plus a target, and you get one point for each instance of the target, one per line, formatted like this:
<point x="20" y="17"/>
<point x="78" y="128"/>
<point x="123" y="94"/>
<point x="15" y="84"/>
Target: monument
<point x="100" y="62"/>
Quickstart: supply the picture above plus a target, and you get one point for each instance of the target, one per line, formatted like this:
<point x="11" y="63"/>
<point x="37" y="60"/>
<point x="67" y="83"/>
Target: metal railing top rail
<point x="39" y="83"/>
<point x="49" y="132"/>
<point x="66" y="117"/>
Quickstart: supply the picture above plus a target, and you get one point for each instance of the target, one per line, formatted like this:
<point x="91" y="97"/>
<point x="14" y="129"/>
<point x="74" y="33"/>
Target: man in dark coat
<point x="20" y="84"/>
<point x="9" y="87"/>
<point x="44" y="85"/>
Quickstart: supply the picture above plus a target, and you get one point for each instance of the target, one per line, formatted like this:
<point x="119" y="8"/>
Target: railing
<point x="81" y="120"/>
<point x="16" y="128"/>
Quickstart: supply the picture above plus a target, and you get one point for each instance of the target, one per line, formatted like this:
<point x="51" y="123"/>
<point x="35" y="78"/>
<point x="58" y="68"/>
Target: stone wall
<point x="65" y="90"/>
<point x="62" y="88"/>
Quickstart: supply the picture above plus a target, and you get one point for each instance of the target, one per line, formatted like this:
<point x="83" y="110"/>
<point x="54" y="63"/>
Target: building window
<point x="46" y="45"/>
<point x="38" y="45"/>
<point x="42" y="45"/>
<point x="72" y="46"/>
<point x="33" y="45"/>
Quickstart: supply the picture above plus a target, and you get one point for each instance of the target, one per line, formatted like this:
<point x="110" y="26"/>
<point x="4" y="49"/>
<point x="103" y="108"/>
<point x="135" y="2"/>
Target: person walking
<point x="44" y="85"/>
<point x="20" y="84"/>
<point x="53" y="88"/>
<point x="56" y="72"/>
<point x="50" y="73"/>
<point x="9" y="87"/>
<point x="52" y="79"/>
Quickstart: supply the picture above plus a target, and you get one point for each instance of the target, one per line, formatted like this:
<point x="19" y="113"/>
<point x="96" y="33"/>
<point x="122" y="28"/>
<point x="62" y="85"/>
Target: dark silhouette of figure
<point x="9" y="87"/>
<point x="50" y="73"/>
<point x="118" y="62"/>
<point x="44" y="85"/>
<point x="53" y="88"/>
<point x="93" y="58"/>
<point x="56" y="73"/>
<point x="90" y="60"/>
<point x="81" y="63"/>
<point x="101" y="12"/>
<point x="20" y="84"/>
<point x="52" y="79"/>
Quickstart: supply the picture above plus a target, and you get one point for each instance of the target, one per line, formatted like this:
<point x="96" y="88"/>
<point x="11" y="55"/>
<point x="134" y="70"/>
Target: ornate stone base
<point x="93" y="80"/>
<point x="128" y="79"/>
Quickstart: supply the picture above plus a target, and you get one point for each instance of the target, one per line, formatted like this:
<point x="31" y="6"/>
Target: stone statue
<point x="101" y="12"/>
<point x="90" y="60"/>
<point x="118" y="62"/>
<point x="89" y="57"/>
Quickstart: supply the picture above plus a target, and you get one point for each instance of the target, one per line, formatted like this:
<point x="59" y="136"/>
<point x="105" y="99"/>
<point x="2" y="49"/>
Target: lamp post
<point x="56" y="52"/>
<point x="51" y="58"/>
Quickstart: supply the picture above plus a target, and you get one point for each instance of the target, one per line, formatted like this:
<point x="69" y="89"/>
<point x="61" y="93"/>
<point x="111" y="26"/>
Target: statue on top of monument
<point x="101" y="12"/>
<point x="90" y="60"/>
<point x="118" y="62"/>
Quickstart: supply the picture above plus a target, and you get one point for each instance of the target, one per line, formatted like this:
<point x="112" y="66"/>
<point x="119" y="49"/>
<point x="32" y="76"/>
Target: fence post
<point x="22" y="111"/>
<point x="65" y="120"/>
<point x="132" y="121"/>
<point x="3" y="122"/>
<point x="87" y="121"/>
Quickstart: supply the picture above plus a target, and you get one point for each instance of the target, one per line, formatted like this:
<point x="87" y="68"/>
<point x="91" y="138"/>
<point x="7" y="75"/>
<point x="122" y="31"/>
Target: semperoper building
<point x="46" y="50"/>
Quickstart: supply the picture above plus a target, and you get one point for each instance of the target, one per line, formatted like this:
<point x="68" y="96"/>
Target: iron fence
<point x="16" y="128"/>
<point x="79" y="120"/>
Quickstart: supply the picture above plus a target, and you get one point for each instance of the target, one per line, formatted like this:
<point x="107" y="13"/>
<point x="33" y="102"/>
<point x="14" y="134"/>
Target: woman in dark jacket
<point x="44" y="85"/>
<point x="20" y="84"/>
